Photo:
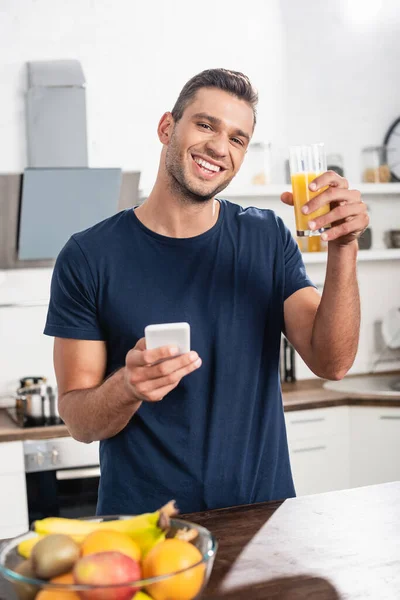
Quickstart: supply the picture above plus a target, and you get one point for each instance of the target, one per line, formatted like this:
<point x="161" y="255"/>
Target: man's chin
<point x="203" y="193"/>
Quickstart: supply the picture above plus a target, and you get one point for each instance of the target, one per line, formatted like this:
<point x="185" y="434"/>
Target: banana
<point x="141" y="596"/>
<point x="147" y="529"/>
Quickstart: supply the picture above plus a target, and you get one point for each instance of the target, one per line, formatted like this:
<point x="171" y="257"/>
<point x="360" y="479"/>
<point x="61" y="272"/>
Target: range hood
<point x="58" y="194"/>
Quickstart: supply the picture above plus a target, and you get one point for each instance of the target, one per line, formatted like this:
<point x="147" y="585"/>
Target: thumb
<point x="287" y="198"/>
<point x="141" y="344"/>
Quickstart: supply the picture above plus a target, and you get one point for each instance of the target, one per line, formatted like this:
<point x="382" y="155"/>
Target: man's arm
<point x="325" y="331"/>
<point x="94" y="409"/>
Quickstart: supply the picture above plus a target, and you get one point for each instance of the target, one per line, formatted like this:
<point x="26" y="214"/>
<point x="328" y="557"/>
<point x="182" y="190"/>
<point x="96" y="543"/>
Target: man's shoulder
<point x="103" y="235"/>
<point x="252" y="215"/>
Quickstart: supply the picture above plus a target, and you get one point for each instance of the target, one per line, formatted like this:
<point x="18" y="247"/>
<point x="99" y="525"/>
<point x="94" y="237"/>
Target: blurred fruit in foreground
<point x="146" y="530"/>
<point x="107" y="568"/>
<point x="25" y="591"/>
<point x="109" y="541"/>
<point x="54" y="555"/>
<point x="26" y="546"/>
<point x="168" y="557"/>
<point x="58" y="594"/>
<point x="140" y="595"/>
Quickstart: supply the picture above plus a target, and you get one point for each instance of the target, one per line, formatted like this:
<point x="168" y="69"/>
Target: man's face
<point x="208" y="144"/>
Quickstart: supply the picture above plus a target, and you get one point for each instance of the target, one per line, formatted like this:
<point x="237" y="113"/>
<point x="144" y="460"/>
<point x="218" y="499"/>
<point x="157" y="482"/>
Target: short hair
<point x="233" y="82"/>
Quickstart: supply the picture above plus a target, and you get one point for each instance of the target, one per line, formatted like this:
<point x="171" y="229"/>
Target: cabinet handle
<point x="24" y="304"/>
<point x="310" y="449"/>
<point x="390" y="417"/>
<point x="315" y="420"/>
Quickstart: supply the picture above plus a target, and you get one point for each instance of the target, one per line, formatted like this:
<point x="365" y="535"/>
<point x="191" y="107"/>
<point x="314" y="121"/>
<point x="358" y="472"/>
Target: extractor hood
<point x="58" y="194"/>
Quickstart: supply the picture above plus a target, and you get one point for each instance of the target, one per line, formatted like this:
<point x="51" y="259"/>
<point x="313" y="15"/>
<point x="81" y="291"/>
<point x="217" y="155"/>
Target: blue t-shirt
<point x="219" y="438"/>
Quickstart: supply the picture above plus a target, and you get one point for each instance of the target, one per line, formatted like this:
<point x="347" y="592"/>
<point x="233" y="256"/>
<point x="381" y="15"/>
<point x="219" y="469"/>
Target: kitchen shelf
<point x="314" y="258"/>
<point x="275" y="190"/>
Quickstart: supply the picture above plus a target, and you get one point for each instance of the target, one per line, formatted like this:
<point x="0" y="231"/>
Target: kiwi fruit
<point x="54" y="555"/>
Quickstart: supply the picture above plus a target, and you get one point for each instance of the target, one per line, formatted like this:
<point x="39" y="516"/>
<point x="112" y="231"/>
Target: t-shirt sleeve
<point x="72" y="309"/>
<point x="295" y="274"/>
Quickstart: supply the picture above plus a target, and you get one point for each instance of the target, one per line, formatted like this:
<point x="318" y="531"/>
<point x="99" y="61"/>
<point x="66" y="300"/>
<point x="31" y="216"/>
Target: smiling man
<point x="207" y="427"/>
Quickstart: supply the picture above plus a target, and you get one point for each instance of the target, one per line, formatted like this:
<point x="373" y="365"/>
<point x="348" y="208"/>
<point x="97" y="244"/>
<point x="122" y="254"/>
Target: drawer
<point x="11" y="458"/>
<point x="320" y="465"/>
<point x="13" y="504"/>
<point x="318" y="422"/>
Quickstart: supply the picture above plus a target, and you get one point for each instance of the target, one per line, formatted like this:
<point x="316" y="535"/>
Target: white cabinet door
<point x="375" y="445"/>
<point x="319" y="449"/>
<point x="13" y="504"/>
<point x="11" y="458"/>
<point x="320" y="465"/>
<point x="13" y="500"/>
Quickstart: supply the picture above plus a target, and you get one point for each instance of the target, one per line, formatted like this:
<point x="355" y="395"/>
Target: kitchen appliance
<point x="62" y="478"/>
<point x="35" y="404"/>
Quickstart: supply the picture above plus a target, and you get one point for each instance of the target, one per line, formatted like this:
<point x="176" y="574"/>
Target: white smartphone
<point x="168" y="334"/>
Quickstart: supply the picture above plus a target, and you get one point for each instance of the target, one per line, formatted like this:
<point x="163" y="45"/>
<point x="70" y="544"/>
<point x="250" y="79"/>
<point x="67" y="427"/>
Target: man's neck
<point x="168" y="214"/>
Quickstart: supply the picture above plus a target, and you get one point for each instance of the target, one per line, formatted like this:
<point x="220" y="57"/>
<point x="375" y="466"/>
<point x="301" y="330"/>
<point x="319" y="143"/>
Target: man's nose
<point x="218" y="145"/>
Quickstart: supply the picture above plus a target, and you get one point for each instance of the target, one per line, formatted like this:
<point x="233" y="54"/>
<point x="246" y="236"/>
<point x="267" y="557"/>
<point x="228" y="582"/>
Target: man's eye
<point x="205" y="125"/>
<point x="237" y="141"/>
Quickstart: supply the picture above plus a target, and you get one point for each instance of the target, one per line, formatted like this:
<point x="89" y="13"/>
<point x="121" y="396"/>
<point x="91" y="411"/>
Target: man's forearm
<point x="337" y="322"/>
<point x="101" y="412"/>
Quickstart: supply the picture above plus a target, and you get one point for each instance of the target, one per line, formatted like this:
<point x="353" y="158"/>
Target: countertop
<point x="301" y="395"/>
<point x="338" y="545"/>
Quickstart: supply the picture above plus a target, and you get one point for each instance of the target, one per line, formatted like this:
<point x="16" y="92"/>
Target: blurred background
<point x="325" y="71"/>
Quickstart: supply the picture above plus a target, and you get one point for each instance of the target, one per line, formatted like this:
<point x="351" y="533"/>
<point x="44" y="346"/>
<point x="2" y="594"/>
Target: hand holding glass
<point x="307" y="163"/>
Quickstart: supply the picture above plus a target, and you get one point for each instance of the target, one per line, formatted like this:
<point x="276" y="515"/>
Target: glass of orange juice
<point x="306" y="163"/>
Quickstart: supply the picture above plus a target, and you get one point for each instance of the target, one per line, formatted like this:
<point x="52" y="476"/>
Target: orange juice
<point x="301" y="195"/>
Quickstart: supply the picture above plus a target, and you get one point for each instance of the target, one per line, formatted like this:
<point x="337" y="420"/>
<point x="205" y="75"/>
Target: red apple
<point x="107" y="568"/>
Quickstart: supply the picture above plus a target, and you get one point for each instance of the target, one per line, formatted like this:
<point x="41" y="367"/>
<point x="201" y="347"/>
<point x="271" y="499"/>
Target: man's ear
<point x="165" y="128"/>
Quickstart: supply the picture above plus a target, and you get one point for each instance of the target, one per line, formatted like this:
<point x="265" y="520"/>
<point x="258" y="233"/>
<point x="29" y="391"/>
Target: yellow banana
<point x="141" y="596"/>
<point x="147" y="529"/>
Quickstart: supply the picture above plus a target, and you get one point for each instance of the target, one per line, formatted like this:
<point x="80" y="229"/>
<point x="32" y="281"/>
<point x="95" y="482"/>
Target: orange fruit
<point x="168" y="557"/>
<point x="55" y="594"/>
<point x="106" y="540"/>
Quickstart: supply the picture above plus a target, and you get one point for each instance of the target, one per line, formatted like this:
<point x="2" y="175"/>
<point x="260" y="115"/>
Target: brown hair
<point x="233" y="82"/>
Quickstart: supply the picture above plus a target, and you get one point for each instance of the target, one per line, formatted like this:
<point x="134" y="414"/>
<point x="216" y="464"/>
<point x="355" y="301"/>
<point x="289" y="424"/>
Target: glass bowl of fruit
<point x="153" y="556"/>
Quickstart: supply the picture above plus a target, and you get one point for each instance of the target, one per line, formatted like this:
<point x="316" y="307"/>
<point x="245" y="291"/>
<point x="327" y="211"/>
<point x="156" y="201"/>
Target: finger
<point x="328" y="178"/>
<point x="287" y="198"/>
<point x="172" y="365"/>
<point x="152" y="387"/>
<point x="142" y="357"/>
<point x="353" y="227"/>
<point x="342" y="212"/>
<point x="331" y="195"/>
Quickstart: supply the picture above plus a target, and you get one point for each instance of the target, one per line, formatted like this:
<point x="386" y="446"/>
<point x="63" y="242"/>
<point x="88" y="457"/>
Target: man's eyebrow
<point x="215" y="121"/>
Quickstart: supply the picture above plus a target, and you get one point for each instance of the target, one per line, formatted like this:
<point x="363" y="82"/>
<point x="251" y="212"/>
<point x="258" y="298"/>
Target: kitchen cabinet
<point x="319" y="449"/>
<point x="13" y="504"/>
<point x="374" y="445"/>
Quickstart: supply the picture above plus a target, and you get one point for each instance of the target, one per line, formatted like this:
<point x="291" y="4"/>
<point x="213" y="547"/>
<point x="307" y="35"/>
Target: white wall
<point x="320" y="75"/>
<point x="343" y="74"/>
<point x="136" y="57"/>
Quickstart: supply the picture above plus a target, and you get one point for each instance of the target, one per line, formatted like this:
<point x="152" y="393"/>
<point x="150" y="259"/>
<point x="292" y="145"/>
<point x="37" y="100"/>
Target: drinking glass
<point x="306" y="163"/>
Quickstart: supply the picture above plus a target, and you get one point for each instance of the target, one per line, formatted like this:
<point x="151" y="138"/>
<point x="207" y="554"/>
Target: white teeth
<point x="206" y="165"/>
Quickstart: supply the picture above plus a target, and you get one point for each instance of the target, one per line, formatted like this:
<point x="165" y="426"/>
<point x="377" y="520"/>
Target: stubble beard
<point x="178" y="182"/>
